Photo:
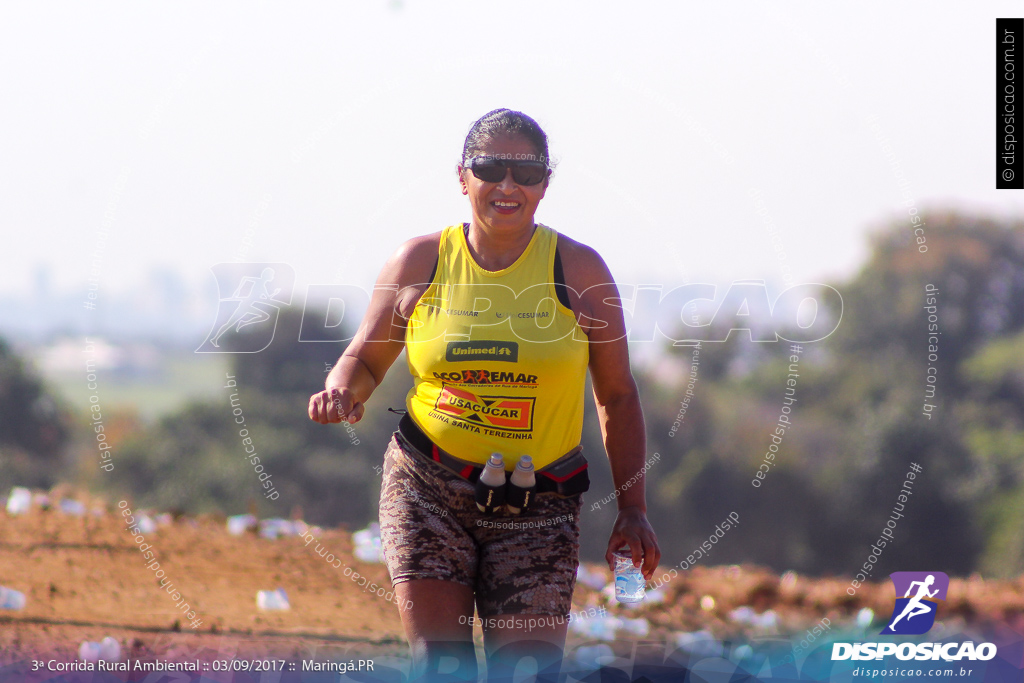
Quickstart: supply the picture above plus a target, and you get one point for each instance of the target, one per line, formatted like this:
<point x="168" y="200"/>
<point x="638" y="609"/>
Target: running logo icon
<point x="258" y="291"/>
<point x="914" y="613"/>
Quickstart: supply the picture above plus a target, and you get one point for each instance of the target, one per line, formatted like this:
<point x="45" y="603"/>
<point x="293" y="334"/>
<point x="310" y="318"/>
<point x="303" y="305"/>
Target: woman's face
<point x="504" y="205"/>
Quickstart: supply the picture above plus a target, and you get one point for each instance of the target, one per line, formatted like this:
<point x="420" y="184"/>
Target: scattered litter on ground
<point x="11" y="599"/>
<point x="700" y="643"/>
<point x="367" y="544"/>
<point x="272" y="600"/>
<point x="239" y="524"/>
<point x="590" y="578"/>
<point x="20" y="501"/>
<point x="72" y="507"/>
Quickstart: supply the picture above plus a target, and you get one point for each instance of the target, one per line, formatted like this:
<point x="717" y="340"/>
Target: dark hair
<point x="505" y="122"/>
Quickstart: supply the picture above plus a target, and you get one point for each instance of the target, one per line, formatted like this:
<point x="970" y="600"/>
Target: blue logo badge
<point x="914" y="613"/>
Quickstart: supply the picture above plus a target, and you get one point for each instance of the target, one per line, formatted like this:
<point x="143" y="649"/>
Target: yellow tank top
<point x="498" y="362"/>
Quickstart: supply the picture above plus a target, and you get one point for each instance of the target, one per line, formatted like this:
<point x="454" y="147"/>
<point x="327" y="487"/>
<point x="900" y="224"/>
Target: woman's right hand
<point x="334" y="405"/>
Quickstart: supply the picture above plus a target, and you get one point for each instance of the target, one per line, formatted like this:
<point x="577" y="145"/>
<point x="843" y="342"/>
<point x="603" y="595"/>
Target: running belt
<point x="566" y="476"/>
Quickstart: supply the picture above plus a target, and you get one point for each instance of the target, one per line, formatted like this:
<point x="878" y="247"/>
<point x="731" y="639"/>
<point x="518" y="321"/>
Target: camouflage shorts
<point x="431" y="529"/>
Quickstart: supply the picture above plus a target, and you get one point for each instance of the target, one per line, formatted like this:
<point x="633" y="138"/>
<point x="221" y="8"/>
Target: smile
<point x="505" y="205"/>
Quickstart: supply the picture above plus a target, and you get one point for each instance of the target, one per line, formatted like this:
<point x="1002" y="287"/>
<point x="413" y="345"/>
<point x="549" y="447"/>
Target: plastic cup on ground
<point x="272" y="600"/>
<point x="11" y="599"/>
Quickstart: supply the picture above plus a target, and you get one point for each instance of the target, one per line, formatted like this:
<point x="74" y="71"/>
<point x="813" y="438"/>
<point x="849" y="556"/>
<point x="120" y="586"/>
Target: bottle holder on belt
<point x="517" y="497"/>
<point x="566" y="476"/>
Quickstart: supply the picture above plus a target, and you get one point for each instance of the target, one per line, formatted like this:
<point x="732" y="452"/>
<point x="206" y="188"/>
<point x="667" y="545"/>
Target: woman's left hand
<point x="632" y="529"/>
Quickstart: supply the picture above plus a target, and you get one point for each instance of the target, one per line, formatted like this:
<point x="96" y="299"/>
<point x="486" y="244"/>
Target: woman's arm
<point x="381" y="335"/>
<point x="617" y="400"/>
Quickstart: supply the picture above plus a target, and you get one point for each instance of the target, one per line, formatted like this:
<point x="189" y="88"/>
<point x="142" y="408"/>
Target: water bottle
<point x="272" y="600"/>
<point x="11" y="599"/>
<point x="490" y="487"/>
<point x="522" y="486"/>
<point x="629" y="581"/>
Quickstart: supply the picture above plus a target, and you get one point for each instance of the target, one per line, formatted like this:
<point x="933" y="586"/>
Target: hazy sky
<point x="330" y="132"/>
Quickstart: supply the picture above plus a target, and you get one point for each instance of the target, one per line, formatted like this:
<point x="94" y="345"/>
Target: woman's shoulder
<point x="420" y="247"/>
<point x="582" y="264"/>
<point x="414" y="259"/>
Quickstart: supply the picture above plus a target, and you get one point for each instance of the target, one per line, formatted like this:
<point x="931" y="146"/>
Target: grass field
<point x="182" y="376"/>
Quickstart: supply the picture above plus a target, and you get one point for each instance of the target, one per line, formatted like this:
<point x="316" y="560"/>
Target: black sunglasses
<point x="491" y="170"/>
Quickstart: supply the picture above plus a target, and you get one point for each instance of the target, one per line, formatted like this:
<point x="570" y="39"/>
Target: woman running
<point x="501" y="318"/>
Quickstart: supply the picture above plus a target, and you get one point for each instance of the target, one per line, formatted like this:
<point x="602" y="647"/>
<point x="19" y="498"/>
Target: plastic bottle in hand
<point x="522" y="486"/>
<point x="490" y="487"/>
<point x="629" y="580"/>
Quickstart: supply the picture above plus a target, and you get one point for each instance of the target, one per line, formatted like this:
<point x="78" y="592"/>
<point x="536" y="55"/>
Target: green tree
<point x="993" y="423"/>
<point x="34" y="429"/>
<point x="196" y="460"/>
